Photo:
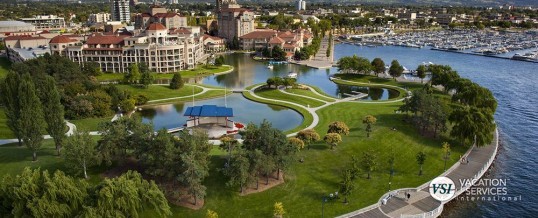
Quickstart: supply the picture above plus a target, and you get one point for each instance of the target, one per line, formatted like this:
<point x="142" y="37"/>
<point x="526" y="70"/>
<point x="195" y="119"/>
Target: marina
<point x="491" y="43"/>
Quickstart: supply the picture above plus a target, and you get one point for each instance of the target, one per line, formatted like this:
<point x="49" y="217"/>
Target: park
<point x="379" y="145"/>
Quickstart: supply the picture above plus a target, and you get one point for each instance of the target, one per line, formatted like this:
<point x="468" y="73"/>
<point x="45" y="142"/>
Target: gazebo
<point x="212" y="118"/>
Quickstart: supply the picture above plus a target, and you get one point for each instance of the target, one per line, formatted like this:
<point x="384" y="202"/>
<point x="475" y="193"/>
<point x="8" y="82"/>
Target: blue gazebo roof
<point x="209" y="111"/>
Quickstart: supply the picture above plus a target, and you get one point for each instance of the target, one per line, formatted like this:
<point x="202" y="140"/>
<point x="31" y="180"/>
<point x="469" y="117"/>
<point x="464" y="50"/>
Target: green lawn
<point x="307" y="117"/>
<point x="89" y="124"/>
<point x="207" y="95"/>
<point x="154" y="92"/>
<point x="310" y="94"/>
<point x="5" y="65"/>
<point x="197" y="72"/>
<point x="319" y="175"/>
<point x="375" y="81"/>
<point x="5" y="132"/>
<point x="275" y="94"/>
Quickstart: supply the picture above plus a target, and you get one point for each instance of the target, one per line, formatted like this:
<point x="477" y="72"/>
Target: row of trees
<point x="265" y="150"/>
<point x="275" y="53"/>
<point x="139" y="74"/>
<point x="361" y="65"/>
<point x="471" y="115"/>
<point x="281" y="81"/>
<point x="59" y="195"/>
<point x="180" y="160"/>
<point x="31" y="111"/>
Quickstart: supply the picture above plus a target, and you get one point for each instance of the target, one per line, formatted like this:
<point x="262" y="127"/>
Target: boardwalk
<point x="421" y="204"/>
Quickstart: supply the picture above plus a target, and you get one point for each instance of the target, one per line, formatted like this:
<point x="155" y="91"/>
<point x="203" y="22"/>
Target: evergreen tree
<point x="31" y="115"/>
<point x="79" y="152"/>
<point x="53" y="112"/>
<point x="238" y="170"/>
<point x="177" y="81"/>
<point x="146" y="78"/>
<point x="9" y="95"/>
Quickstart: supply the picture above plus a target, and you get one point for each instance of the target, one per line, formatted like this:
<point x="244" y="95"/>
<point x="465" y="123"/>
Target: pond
<point x="374" y="93"/>
<point x="245" y="111"/>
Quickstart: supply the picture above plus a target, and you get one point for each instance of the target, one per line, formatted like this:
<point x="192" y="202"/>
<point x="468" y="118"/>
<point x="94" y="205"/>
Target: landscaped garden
<point x="196" y="72"/>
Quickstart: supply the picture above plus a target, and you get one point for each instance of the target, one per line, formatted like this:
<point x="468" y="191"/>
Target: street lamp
<point x="323" y="200"/>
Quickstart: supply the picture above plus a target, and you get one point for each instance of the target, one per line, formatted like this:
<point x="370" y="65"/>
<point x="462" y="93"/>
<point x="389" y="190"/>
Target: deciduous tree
<point x="308" y="136"/>
<point x="369" y="161"/>
<point x="369" y="120"/>
<point x="79" y="152"/>
<point x="31" y="115"/>
<point x="421" y="158"/>
<point x="332" y="139"/>
<point x="338" y="127"/>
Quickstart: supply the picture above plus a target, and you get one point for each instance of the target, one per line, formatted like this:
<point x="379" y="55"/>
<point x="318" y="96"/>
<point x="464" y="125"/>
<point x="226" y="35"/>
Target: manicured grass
<point x="307" y="117"/>
<point x="89" y="124"/>
<point x="310" y="94"/>
<point x="207" y="95"/>
<point x="320" y="173"/>
<point x="154" y="92"/>
<point x="5" y="65"/>
<point x="376" y="81"/>
<point x="275" y="94"/>
<point x="15" y="158"/>
<point x="197" y="72"/>
<point x="5" y="132"/>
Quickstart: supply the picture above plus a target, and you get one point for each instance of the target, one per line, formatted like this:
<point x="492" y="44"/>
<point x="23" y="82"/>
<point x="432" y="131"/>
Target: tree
<point x="421" y="72"/>
<point x="156" y="152"/>
<point x="146" y="78"/>
<point x="369" y="161"/>
<point x="211" y="214"/>
<point x="308" y="136"/>
<point x="278" y="53"/>
<point x="134" y="74"/>
<point x="378" y="66"/>
<point x="421" y="158"/>
<point x="228" y="144"/>
<point x="176" y="82"/>
<point x="80" y="152"/>
<point x="355" y="167"/>
<point x="238" y="170"/>
<point x="338" y="127"/>
<point x="219" y="61"/>
<point x="346" y="185"/>
<point x="279" y="210"/>
<point x="395" y="69"/>
<point x="9" y="96"/>
<point x="91" y="69"/>
<point x="446" y="152"/>
<point x="332" y="139"/>
<point x="193" y="176"/>
<point x="296" y="142"/>
<point x="369" y="120"/>
<point x="31" y="115"/>
<point x="472" y="124"/>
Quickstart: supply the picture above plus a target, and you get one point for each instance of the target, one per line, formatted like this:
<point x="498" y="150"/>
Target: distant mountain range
<point x="533" y="3"/>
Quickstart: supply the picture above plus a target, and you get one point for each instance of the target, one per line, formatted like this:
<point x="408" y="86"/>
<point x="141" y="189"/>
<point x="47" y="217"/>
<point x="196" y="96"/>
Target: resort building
<point x="163" y="50"/>
<point x="268" y="38"/>
<point x="160" y="15"/>
<point x="46" y="22"/>
<point x="120" y="11"/>
<point x="234" y="21"/>
<point x="99" y="18"/>
<point x="16" y="28"/>
<point x="213" y="44"/>
<point x="25" y="47"/>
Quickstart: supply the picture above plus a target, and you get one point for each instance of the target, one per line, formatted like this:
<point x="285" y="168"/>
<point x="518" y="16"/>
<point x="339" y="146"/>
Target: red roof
<point x="205" y="36"/>
<point x="276" y="40"/>
<point x="259" y="34"/>
<point x="156" y="26"/>
<point x="180" y="31"/>
<point x="23" y="37"/>
<point x="62" y="39"/>
<point x="108" y="39"/>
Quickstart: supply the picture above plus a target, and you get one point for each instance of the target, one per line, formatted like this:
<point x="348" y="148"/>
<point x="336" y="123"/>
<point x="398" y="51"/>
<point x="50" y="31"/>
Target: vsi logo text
<point x="442" y="188"/>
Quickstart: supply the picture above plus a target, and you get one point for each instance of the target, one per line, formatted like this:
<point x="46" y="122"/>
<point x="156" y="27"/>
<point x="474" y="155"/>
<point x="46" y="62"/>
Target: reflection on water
<point x="374" y="93"/>
<point x="245" y="111"/>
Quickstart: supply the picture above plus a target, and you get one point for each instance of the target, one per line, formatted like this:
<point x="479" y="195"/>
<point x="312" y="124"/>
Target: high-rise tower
<point x="120" y="11"/>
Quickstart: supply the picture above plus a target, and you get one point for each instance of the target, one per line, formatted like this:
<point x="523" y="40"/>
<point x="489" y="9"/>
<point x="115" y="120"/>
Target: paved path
<point x="421" y="203"/>
<point x="320" y="60"/>
<point x="69" y="132"/>
<point x="204" y="90"/>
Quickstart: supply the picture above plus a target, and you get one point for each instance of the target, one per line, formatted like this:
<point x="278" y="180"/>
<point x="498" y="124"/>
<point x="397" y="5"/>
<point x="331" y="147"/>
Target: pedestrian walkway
<point x="320" y="60"/>
<point x="421" y="204"/>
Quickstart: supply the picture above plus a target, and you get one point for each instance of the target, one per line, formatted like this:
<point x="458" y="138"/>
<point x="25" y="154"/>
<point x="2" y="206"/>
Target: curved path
<point x="312" y="111"/>
<point x="70" y="131"/>
<point x="421" y="204"/>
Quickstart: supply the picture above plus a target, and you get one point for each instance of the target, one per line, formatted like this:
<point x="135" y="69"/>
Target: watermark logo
<point x="486" y="189"/>
<point x="442" y="188"/>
